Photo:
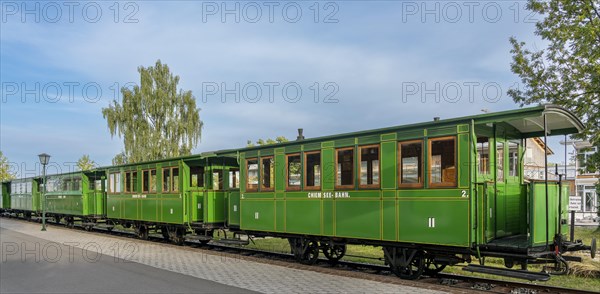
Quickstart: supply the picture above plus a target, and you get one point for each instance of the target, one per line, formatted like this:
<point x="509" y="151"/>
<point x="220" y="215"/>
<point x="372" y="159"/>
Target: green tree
<point x="567" y="71"/>
<point x="156" y="119"/>
<point x="5" y="172"/>
<point x="85" y="163"/>
<point x="262" y="142"/>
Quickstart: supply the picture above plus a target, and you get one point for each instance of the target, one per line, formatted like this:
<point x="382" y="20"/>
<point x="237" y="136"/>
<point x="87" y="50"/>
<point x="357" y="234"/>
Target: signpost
<point x="574" y="203"/>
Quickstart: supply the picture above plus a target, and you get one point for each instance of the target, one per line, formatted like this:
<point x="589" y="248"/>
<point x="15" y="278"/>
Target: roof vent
<point x="300" y="136"/>
<point x="437" y="118"/>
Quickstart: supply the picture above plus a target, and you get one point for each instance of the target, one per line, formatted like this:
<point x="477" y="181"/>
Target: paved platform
<point x="129" y="264"/>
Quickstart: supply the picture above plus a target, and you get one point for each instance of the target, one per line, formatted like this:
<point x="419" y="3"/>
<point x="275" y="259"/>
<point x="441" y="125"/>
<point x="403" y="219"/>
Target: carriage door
<point x="485" y="179"/>
<point x="500" y="205"/>
<point x="196" y="194"/>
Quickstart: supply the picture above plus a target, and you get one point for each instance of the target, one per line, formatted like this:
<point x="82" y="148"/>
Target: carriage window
<point x="153" y="181"/>
<point x="146" y="181"/>
<point x="483" y="155"/>
<point x="268" y="173"/>
<point x="234" y="178"/>
<point x="170" y="179"/>
<point x="252" y="174"/>
<point x="442" y="163"/>
<point x="513" y="159"/>
<point x="369" y="166"/>
<point x="76" y="184"/>
<point x="197" y="176"/>
<point x="175" y="176"/>
<point x="98" y="185"/>
<point x="411" y="163"/>
<point x="345" y="168"/>
<point x="149" y="181"/>
<point x="166" y="180"/>
<point x="499" y="161"/>
<point x="128" y="182"/>
<point x="118" y="182"/>
<point x="312" y="172"/>
<point x="294" y="168"/>
<point x="218" y="180"/>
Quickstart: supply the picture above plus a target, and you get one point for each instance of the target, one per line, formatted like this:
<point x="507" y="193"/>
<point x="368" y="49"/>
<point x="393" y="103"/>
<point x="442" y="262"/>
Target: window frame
<point x="421" y="176"/>
<point x="234" y="178"/>
<point x="313" y="188"/>
<point x="113" y="183"/>
<point x="150" y="181"/>
<point x="262" y="174"/>
<point x="287" y="172"/>
<point x="454" y="184"/>
<point x="171" y="183"/>
<point x="200" y="176"/>
<point x="247" y="176"/>
<point x="369" y="186"/>
<point x="132" y="183"/>
<point x="350" y="186"/>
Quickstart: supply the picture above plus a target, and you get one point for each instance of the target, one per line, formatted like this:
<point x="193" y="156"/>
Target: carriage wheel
<point x="142" y="232"/>
<point x="311" y="255"/>
<point x="432" y="268"/>
<point x="335" y="252"/>
<point x="408" y="264"/>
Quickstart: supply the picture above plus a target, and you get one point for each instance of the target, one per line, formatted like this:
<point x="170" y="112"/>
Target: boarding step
<point x="234" y="241"/>
<point x="199" y="237"/>
<point x="519" y="274"/>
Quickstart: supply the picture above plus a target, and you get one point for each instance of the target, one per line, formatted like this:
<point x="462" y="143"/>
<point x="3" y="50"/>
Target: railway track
<point x="440" y="281"/>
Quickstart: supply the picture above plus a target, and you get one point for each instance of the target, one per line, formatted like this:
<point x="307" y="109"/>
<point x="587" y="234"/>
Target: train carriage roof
<point x="528" y="121"/>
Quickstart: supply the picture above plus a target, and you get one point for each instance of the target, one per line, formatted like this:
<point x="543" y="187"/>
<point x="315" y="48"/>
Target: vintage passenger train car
<point x="430" y="194"/>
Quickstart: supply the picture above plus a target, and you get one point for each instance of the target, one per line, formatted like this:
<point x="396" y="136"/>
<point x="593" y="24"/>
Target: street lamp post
<point x="44" y="159"/>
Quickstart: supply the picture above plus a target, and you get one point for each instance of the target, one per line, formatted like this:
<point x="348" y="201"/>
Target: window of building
<point x="312" y="170"/>
<point x="234" y="178"/>
<point x="252" y="174"/>
<point x="483" y="155"/>
<point x="197" y="176"/>
<point x="410" y="161"/>
<point x="294" y="170"/>
<point x="268" y="173"/>
<point x="513" y="159"/>
<point x="499" y="161"/>
<point x="218" y="179"/>
<point x="344" y="168"/>
<point x="442" y="162"/>
<point x="369" y="166"/>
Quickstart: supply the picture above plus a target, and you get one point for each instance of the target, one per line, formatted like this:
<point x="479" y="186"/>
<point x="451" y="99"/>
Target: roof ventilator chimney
<point x="300" y="136"/>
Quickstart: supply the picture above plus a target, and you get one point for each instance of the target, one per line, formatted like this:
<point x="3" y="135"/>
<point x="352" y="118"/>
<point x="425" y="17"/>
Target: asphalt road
<point x="33" y="265"/>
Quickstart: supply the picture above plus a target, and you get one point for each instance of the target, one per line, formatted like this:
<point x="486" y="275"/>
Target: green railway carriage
<point x="5" y="196"/>
<point x="25" y="198"/>
<point x="77" y="195"/>
<point x="430" y="194"/>
<point x="173" y="196"/>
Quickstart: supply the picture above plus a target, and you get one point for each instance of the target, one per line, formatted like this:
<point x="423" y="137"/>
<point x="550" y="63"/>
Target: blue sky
<point x="382" y="63"/>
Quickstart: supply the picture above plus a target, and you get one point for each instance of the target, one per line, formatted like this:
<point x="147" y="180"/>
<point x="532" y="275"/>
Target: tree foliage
<point x="262" y="142"/>
<point x="567" y="71"/>
<point x="85" y="163"/>
<point x="155" y="119"/>
<point x="5" y="172"/>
